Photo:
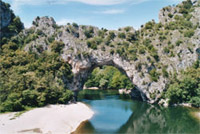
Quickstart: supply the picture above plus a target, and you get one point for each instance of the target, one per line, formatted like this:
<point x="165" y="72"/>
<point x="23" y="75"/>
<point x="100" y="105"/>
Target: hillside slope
<point x="149" y="56"/>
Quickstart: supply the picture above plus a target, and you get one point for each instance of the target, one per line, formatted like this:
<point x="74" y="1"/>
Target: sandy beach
<point x="53" y="119"/>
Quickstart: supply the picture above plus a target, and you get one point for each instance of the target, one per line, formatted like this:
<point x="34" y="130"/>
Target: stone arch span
<point x="81" y="77"/>
<point x="82" y="66"/>
<point x="83" y="58"/>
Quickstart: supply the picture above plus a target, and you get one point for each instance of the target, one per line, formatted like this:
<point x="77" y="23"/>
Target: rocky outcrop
<point x="83" y="59"/>
<point x="10" y="25"/>
<point x="46" y="24"/>
<point x="5" y="15"/>
<point x="167" y="14"/>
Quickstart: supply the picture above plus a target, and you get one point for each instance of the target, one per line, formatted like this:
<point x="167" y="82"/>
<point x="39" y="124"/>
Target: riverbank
<point x="52" y="119"/>
<point x="196" y="115"/>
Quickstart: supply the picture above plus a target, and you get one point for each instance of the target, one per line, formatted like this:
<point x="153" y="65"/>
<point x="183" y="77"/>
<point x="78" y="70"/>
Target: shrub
<point x="154" y="75"/>
<point x="97" y="40"/>
<point x="101" y="33"/>
<point x="39" y="32"/>
<point x="92" y="44"/>
<point x="149" y="25"/>
<point x="13" y="103"/>
<point x="141" y="50"/>
<point x="162" y="38"/>
<point x="154" y="53"/>
<point x="166" y="50"/>
<point x="89" y="32"/>
<point x="185" y="89"/>
<point x="132" y="50"/>
<point x="189" y="33"/>
<point x="170" y="15"/>
<point x="30" y="38"/>
<point x="146" y="42"/>
<point x="57" y="46"/>
<point x="133" y="57"/>
<point x="66" y="96"/>
<point x="30" y="97"/>
<point x="51" y="38"/>
<point x="178" y="42"/>
<point x="122" y="35"/>
<point x="18" y="24"/>
<point x="111" y="35"/>
<point x="131" y="37"/>
<point x="127" y="29"/>
<point x="164" y="72"/>
<point x="75" y="25"/>
<point x="195" y="101"/>
<point x="112" y="51"/>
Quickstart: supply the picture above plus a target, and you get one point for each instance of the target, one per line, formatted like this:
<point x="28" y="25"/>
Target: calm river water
<point x="116" y="115"/>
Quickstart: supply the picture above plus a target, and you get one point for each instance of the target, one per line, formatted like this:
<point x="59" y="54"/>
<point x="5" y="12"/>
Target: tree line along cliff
<point x="34" y="71"/>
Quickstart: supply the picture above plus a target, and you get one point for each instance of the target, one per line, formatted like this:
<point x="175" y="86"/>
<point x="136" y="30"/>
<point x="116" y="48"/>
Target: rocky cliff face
<point x="167" y="14"/>
<point x="10" y="25"/>
<point x="87" y="47"/>
<point x="5" y="15"/>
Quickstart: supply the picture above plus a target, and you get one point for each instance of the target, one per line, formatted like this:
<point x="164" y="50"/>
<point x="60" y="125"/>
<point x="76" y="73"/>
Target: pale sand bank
<point x="54" y="119"/>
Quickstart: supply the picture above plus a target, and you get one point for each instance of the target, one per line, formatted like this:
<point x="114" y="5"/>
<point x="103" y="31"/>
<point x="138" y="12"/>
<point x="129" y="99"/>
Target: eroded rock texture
<point x="83" y="57"/>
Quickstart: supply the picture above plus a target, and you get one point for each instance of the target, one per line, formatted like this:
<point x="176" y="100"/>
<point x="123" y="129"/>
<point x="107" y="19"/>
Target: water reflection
<point x="119" y="116"/>
<point x="154" y="119"/>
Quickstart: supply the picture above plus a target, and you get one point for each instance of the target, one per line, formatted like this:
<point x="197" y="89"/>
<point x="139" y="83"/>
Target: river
<point x="116" y="115"/>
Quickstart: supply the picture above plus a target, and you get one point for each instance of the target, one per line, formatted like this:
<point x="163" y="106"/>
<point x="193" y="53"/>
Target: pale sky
<point x="110" y="14"/>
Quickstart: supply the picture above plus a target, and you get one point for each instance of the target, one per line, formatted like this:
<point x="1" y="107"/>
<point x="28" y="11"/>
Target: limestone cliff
<point x="148" y="56"/>
<point x="5" y="14"/>
<point x="10" y="25"/>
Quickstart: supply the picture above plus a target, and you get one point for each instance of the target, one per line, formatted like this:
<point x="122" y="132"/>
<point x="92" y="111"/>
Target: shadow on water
<point x="114" y="115"/>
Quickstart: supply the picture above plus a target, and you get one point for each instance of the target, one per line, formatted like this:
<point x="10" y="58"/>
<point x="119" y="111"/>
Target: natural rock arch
<point x="83" y="57"/>
<point x="83" y="66"/>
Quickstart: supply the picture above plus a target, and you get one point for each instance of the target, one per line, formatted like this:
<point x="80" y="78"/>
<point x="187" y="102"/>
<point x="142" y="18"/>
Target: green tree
<point x="57" y="46"/>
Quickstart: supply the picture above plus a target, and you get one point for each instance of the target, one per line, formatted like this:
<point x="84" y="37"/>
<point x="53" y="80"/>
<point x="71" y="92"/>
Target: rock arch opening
<point x="108" y="77"/>
<point x="82" y="70"/>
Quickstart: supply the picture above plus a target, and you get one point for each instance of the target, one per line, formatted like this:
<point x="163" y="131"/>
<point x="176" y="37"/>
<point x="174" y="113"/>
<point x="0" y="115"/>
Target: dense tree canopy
<point x="30" y="80"/>
<point x="108" y="77"/>
<point x="186" y="89"/>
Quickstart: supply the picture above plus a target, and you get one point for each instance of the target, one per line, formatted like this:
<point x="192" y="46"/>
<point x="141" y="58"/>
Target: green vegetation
<point x="39" y="77"/>
<point x="31" y="80"/>
<point x="13" y="28"/>
<point x="185" y="89"/>
<point x="185" y="7"/>
<point x="75" y="25"/>
<point x="164" y="72"/>
<point x="57" y="46"/>
<point x="154" y="75"/>
<point x="147" y="42"/>
<point x="122" y="35"/>
<point x="108" y="77"/>
<point x="189" y="33"/>
<point x="89" y="32"/>
<point x="95" y="94"/>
